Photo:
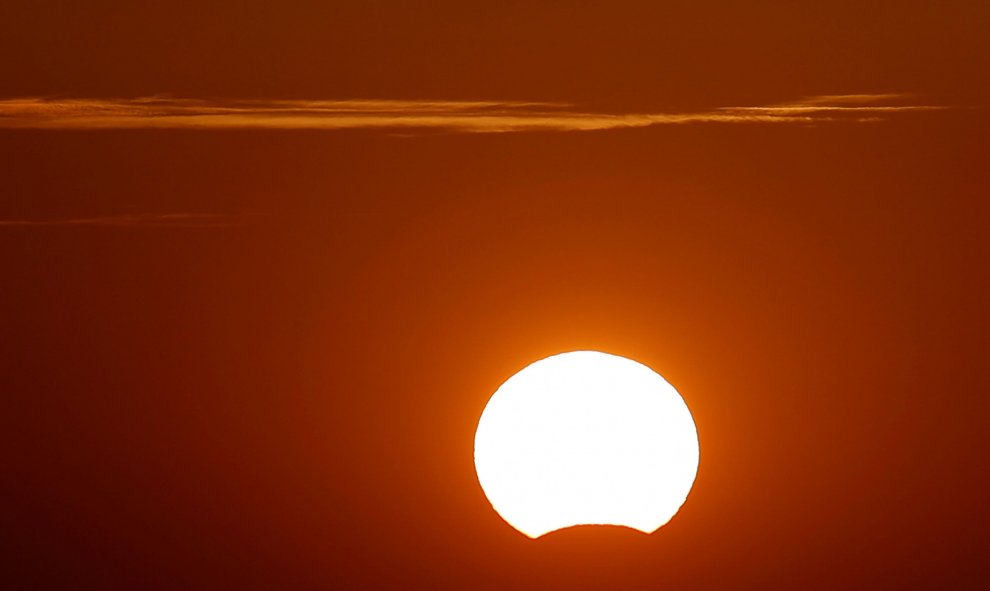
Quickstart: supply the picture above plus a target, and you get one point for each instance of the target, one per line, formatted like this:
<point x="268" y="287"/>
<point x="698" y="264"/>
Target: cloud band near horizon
<point x="423" y="115"/>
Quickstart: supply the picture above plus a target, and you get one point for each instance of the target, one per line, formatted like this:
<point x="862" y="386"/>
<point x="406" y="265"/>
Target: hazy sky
<point x="263" y="263"/>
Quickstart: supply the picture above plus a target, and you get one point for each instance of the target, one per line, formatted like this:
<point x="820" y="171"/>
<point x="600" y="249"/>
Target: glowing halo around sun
<point x="586" y="438"/>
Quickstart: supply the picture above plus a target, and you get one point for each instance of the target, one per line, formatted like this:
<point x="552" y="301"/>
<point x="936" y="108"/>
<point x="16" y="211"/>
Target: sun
<point x="586" y="438"/>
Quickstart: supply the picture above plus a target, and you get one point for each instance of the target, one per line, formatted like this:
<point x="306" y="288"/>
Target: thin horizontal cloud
<point x="852" y="99"/>
<point x="454" y="116"/>
<point x="859" y="106"/>
<point x="144" y="220"/>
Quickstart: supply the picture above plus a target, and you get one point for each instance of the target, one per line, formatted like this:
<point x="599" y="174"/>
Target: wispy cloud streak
<point x="452" y="116"/>
<point x="863" y="106"/>
<point x="146" y="220"/>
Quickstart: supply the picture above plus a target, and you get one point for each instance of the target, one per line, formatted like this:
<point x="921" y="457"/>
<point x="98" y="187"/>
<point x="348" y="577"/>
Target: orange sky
<point x="264" y="263"/>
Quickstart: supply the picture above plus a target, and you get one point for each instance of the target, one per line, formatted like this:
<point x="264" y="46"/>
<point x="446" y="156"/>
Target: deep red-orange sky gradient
<point x="254" y="358"/>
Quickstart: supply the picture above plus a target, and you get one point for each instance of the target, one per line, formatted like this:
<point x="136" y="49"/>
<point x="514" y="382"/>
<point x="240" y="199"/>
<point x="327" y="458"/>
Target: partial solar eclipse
<point x="586" y="438"/>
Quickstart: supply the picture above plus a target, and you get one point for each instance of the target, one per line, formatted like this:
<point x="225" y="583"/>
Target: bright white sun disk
<point x="586" y="438"/>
